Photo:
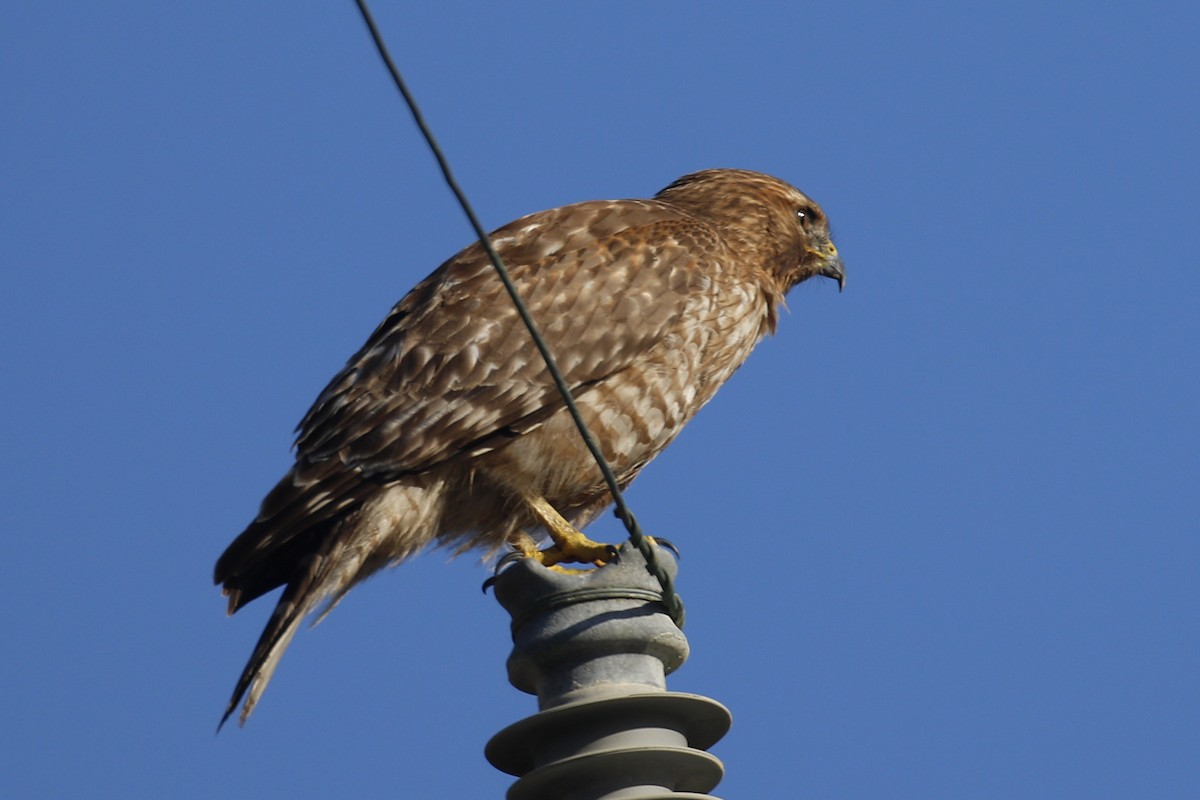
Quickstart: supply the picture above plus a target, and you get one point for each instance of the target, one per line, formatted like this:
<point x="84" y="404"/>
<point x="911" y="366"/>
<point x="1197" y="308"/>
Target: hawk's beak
<point x="831" y="264"/>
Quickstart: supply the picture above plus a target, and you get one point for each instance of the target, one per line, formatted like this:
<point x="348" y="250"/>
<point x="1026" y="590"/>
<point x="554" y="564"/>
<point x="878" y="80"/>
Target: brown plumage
<point x="446" y="428"/>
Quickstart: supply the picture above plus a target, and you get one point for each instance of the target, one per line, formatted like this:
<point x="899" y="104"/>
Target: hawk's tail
<point x="312" y="583"/>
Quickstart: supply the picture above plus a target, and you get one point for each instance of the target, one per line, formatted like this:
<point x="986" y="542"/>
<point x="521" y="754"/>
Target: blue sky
<point x="939" y="534"/>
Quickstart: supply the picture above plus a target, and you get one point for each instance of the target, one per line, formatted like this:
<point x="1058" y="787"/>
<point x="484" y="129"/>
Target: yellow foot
<point x="570" y="546"/>
<point x="584" y="551"/>
<point x="579" y="550"/>
<point x="525" y="546"/>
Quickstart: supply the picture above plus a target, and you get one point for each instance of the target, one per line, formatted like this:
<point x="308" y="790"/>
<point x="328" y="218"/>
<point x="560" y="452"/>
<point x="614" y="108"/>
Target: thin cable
<point x="670" y="597"/>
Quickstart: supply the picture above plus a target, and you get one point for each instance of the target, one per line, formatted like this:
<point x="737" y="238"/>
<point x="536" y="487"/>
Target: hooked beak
<point x="831" y="264"/>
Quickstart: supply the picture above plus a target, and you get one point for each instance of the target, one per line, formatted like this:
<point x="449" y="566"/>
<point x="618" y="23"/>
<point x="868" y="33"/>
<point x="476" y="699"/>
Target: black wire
<point x="640" y="540"/>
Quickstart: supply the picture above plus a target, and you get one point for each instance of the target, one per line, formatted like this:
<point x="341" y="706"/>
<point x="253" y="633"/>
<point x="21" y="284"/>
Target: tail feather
<point x="303" y="594"/>
<point x="306" y="501"/>
<point x="319" y="561"/>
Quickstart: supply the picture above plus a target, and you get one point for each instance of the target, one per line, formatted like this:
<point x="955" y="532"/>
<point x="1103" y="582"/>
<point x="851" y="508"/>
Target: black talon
<point x="507" y="560"/>
<point x="667" y="543"/>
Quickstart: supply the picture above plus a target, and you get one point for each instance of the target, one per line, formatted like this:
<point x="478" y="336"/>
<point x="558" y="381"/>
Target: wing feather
<point x="429" y="386"/>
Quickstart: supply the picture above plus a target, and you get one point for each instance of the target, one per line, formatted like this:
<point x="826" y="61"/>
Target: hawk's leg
<point x="570" y="546"/>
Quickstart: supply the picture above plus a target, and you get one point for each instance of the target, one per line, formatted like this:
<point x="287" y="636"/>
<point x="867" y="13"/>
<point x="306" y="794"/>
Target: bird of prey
<point x="445" y="427"/>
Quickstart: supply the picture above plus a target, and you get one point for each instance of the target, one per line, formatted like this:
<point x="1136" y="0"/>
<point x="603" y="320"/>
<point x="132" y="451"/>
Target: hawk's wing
<point x="452" y="370"/>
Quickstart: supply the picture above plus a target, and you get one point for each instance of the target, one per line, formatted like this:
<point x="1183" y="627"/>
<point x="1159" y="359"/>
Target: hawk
<point x="445" y="427"/>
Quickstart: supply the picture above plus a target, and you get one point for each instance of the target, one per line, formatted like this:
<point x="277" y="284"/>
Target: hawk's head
<point x="765" y="218"/>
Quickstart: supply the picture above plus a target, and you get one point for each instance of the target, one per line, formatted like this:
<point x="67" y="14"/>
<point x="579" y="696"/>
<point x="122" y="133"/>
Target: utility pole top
<point x="595" y="647"/>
